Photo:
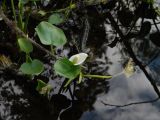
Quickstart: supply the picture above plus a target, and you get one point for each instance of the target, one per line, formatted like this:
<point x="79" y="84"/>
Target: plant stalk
<point x="13" y="10"/>
<point x="97" y="76"/>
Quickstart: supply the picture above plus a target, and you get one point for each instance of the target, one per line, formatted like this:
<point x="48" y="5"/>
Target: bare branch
<point x="133" y="103"/>
<point x="131" y="53"/>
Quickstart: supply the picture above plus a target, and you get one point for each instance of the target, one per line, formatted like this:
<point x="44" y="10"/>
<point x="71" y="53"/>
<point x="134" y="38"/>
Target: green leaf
<point x="56" y="18"/>
<point x="34" y="67"/>
<point x="25" y="45"/>
<point x="26" y="1"/>
<point x="23" y="1"/>
<point x="66" y="68"/>
<point x="50" y="34"/>
<point x="40" y="85"/>
<point x="43" y="88"/>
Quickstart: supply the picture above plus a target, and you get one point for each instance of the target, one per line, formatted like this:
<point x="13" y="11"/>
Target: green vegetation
<point x="49" y="34"/>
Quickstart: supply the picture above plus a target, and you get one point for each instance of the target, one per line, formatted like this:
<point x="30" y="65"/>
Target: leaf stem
<point x="68" y="82"/>
<point x="20" y="22"/>
<point x="97" y="76"/>
<point x="13" y="10"/>
<point x="80" y="78"/>
<point x="28" y="58"/>
<point x="52" y="49"/>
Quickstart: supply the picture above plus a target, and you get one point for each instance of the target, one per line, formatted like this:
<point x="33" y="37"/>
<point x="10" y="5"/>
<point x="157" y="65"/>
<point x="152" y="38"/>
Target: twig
<point x="19" y="32"/>
<point x="155" y="24"/>
<point x="85" y="34"/>
<point x="131" y="53"/>
<point x="70" y="92"/>
<point x="129" y="104"/>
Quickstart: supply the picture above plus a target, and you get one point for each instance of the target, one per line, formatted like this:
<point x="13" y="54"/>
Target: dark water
<point x="20" y="101"/>
<point x="94" y="99"/>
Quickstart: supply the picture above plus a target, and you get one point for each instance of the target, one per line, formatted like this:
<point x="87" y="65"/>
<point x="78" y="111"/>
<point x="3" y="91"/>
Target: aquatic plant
<point x="71" y="68"/>
<point x="51" y="35"/>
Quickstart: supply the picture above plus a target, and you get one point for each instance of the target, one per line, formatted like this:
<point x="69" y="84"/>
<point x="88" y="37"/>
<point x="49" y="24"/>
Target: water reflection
<point x="19" y="100"/>
<point x="89" y="97"/>
<point x="124" y="90"/>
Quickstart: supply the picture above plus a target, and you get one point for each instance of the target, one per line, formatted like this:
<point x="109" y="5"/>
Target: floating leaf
<point x="50" y="34"/>
<point x="43" y="88"/>
<point x="66" y="68"/>
<point x="25" y="45"/>
<point x="34" y="67"/>
<point x="56" y="18"/>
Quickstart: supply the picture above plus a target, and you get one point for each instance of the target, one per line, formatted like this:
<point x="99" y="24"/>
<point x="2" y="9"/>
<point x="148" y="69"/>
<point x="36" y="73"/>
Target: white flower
<point x="78" y="59"/>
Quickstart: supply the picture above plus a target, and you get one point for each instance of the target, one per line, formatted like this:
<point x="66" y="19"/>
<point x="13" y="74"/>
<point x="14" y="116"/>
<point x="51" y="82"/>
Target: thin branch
<point x="85" y="34"/>
<point x="133" y="103"/>
<point x="155" y="24"/>
<point x="70" y="92"/>
<point x="137" y="25"/>
<point x="131" y="53"/>
<point x="19" y="32"/>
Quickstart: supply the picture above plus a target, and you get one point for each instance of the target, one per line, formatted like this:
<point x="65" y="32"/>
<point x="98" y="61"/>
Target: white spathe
<point x="78" y="59"/>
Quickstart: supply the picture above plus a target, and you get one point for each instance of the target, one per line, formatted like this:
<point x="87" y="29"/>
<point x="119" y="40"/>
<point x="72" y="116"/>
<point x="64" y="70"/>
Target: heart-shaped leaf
<point x="34" y="67"/>
<point x="25" y="45"/>
<point x="66" y="68"/>
<point x="56" y="18"/>
<point x="50" y="34"/>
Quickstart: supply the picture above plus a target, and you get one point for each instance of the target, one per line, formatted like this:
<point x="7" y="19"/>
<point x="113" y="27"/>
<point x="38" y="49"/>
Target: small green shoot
<point x="56" y="18"/>
<point x="43" y="88"/>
